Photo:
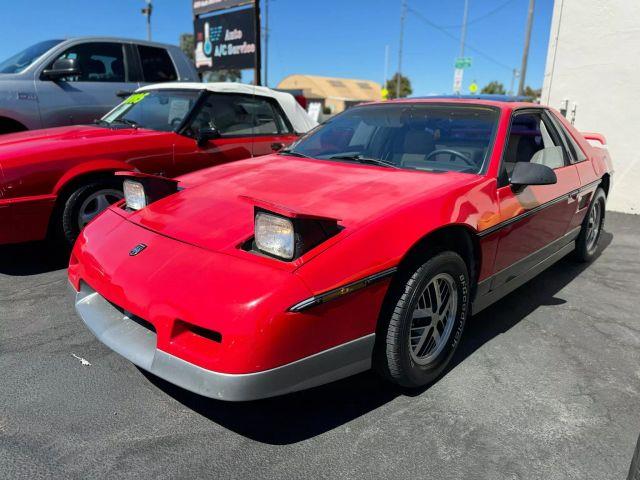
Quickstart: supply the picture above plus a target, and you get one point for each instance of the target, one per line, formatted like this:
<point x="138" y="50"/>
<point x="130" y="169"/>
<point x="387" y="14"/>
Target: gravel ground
<point x="545" y="385"/>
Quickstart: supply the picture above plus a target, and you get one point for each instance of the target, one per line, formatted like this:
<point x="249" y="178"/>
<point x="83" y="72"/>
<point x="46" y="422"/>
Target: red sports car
<point x="56" y="180"/>
<point x="367" y="243"/>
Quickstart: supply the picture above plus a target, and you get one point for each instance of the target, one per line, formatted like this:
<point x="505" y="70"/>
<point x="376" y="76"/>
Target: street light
<point x="147" y="11"/>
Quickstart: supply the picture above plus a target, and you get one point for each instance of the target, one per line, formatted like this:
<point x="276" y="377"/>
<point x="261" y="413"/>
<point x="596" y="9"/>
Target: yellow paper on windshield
<point x="135" y="98"/>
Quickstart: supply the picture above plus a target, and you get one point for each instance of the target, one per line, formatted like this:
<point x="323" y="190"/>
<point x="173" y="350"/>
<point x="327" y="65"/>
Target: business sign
<point x="205" y="6"/>
<point x="463" y="62"/>
<point x="226" y="41"/>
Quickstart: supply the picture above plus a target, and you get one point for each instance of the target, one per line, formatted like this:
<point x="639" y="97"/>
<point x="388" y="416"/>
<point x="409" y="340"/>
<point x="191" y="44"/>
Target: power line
<point x="481" y="17"/>
<point x="453" y="37"/>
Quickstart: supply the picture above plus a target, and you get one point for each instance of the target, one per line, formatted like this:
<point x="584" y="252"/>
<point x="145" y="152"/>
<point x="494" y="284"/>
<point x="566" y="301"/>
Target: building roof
<point x="300" y="120"/>
<point x="348" y="89"/>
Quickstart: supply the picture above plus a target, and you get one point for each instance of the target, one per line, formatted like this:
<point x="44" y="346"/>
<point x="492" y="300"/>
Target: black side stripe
<point x="342" y="291"/>
<point x="535" y="210"/>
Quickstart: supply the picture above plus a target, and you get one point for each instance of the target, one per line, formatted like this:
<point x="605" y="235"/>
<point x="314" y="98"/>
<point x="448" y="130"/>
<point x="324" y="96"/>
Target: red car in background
<point x="368" y="243"/>
<point x="56" y="180"/>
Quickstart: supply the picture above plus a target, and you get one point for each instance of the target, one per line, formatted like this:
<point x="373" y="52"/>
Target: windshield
<point x="162" y="110"/>
<point x="22" y="60"/>
<point x="410" y="136"/>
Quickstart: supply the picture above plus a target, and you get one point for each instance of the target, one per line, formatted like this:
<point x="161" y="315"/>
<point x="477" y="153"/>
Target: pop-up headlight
<point x="274" y="235"/>
<point x="287" y="234"/>
<point x="134" y="195"/>
<point x="142" y="189"/>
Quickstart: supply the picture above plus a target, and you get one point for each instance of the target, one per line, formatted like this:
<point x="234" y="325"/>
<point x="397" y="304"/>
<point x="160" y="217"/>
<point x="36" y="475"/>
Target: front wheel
<point x="427" y="315"/>
<point x="84" y="204"/>
<point x="587" y="241"/>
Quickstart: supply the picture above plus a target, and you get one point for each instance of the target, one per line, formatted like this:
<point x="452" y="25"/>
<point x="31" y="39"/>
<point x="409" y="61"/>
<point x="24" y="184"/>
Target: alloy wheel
<point x="96" y="203"/>
<point x="433" y="319"/>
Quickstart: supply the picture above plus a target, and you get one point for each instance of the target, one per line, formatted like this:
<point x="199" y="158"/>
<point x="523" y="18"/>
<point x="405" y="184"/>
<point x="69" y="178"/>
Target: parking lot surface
<point x="545" y="385"/>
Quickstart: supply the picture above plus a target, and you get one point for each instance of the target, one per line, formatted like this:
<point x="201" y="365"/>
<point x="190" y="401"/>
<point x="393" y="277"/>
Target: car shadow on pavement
<point x="32" y="258"/>
<point x="302" y="415"/>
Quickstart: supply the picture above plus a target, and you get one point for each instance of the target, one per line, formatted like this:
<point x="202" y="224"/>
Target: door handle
<point x="573" y="196"/>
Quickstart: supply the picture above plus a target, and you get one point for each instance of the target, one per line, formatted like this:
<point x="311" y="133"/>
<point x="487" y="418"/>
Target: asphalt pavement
<point x="545" y="385"/>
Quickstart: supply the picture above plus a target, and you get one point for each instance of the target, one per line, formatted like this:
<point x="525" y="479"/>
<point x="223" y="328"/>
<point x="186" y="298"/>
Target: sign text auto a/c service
<point x="225" y="41"/>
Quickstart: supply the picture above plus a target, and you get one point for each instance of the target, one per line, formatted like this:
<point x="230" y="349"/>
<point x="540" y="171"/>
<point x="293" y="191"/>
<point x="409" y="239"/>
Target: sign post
<point x="457" y="80"/>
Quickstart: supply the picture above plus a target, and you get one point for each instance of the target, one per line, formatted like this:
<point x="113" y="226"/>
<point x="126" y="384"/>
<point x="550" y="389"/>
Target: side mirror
<point x="527" y="173"/>
<point x="62" y="67"/>
<point x="206" y="134"/>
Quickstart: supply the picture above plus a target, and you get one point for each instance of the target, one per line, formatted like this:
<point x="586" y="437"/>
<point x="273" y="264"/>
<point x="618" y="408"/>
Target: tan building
<point x="337" y="94"/>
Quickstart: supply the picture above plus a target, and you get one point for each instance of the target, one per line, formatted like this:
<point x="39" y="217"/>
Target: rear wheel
<point x="587" y="241"/>
<point x="427" y="315"/>
<point x="84" y="204"/>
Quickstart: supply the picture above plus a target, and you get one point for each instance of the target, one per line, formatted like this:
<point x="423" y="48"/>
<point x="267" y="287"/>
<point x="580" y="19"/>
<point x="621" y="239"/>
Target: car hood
<point x="62" y="138"/>
<point x="215" y="210"/>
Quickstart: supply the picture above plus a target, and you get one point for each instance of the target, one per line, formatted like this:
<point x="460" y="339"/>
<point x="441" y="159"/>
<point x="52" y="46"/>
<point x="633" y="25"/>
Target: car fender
<point x="91" y="167"/>
<point x="389" y="238"/>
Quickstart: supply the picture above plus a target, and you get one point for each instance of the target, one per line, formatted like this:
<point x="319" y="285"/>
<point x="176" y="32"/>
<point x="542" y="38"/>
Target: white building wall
<point x="594" y="62"/>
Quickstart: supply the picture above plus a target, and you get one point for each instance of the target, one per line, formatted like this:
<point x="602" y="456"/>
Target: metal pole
<point x="147" y="12"/>
<point x="463" y="35"/>
<point x="266" y="43"/>
<point x="403" y="14"/>
<point x="514" y="75"/>
<point x="527" y="41"/>
<point x="258" y="55"/>
<point x="386" y="65"/>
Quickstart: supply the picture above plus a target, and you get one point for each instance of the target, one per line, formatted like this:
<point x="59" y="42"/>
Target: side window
<point x="156" y="65"/>
<point x="532" y="139"/>
<point x="576" y="152"/>
<point x="98" y="62"/>
<point x="235" y="115"/>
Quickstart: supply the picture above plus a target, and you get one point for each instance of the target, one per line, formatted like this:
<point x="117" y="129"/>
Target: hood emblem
<point x="137" y="249"/>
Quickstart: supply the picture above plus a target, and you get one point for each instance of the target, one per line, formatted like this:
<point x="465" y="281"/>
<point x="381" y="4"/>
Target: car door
<point x="271" y="129"/>
<point x="535" y="219"/>
<point x="242" y="132"/>
<point x="82" y="98"/>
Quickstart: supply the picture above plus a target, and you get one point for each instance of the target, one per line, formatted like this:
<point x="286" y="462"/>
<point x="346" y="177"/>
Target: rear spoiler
<point x="596" y="137"/>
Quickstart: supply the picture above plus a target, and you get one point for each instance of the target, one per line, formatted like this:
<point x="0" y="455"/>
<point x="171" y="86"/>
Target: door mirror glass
<point x="205" y="134"/>
<point x="527" y="173"/>
<point x="62" y="67"/>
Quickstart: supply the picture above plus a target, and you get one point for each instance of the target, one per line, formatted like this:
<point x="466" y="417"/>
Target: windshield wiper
<point x="101" y="122"/>
<point x="292" y="153"/>
<point x="126" y="121"/>
<point x="365" y="160"/>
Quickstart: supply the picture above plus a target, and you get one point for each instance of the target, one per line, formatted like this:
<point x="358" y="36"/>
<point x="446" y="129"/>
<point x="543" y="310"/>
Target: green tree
<point x="222" y="76"/>
<point x="533" y="94"/>
<point x="405" y="86"/>
<point x="187" y="45"/>
<point x="494" y="88"/>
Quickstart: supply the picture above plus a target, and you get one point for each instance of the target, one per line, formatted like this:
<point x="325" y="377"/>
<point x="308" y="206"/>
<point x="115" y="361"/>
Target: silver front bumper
<point x="137" y="343"/>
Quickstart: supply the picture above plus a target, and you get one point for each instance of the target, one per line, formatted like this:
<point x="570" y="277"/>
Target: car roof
<point x="499" y="101"/>
<point x="96" y="38"/>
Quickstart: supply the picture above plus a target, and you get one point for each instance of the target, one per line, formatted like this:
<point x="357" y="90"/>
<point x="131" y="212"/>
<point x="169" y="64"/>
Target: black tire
<point x="67" y="223"/>
<point x="586" y="248"/>
<point x="393" y="357"/>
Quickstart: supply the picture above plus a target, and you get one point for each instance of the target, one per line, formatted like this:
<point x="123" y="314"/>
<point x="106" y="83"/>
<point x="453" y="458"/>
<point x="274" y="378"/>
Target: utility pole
<point x="463" y="35"/>
<point x="525" y="53"/>
<point x="458" y="72"/>
<point x="266" y="43"/>
<point x="147" y="12"/>
<point x="403" y="15"/>
<point x="514" y="75"/>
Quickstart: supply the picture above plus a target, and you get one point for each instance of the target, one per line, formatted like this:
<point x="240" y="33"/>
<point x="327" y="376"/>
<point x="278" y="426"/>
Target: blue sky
<point x="344" y="38"/>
